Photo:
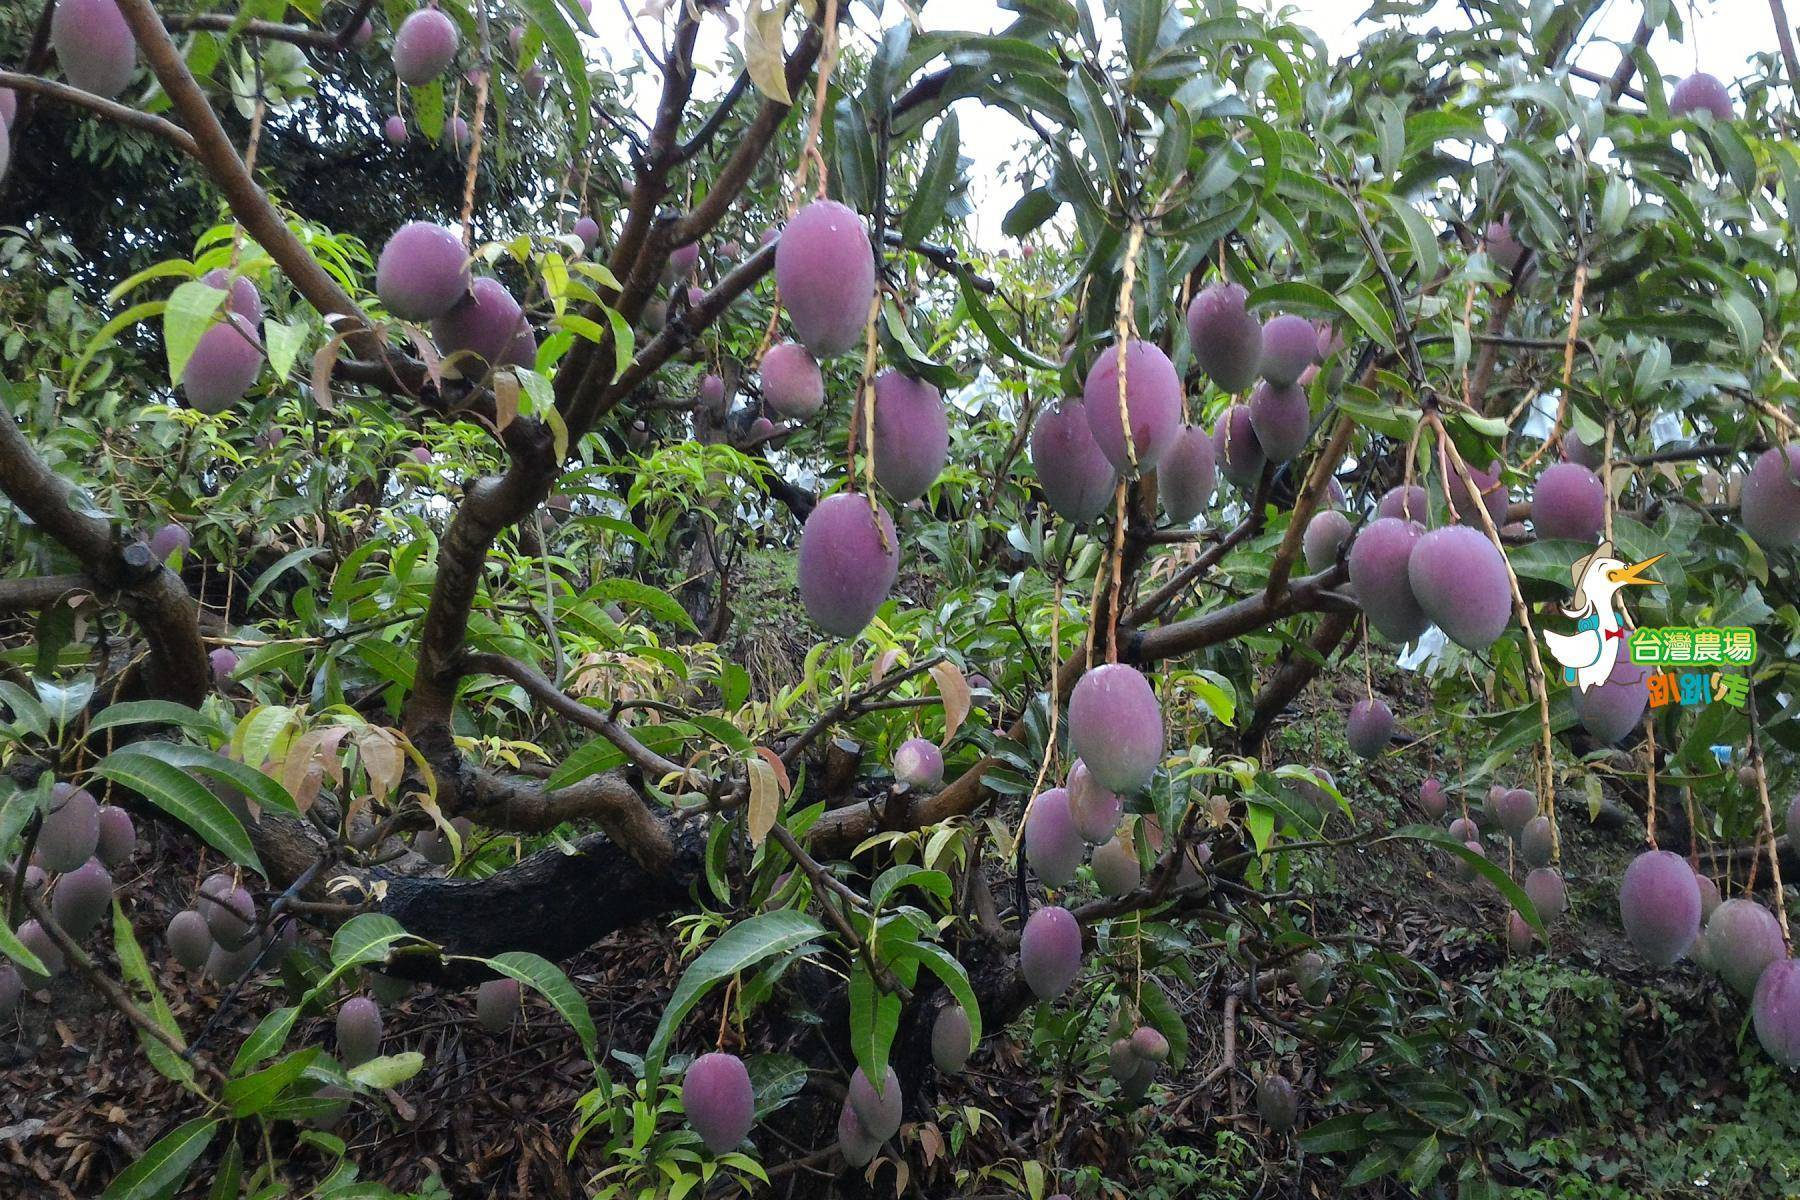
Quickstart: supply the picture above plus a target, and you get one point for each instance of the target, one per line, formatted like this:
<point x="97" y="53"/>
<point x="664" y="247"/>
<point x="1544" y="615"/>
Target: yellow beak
<point x="1635" y="572"/>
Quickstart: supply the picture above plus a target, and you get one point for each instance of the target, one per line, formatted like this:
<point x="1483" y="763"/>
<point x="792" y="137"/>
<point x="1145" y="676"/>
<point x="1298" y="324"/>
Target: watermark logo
<point x="1602" y="638"/>
<point x="1589" y="655"/>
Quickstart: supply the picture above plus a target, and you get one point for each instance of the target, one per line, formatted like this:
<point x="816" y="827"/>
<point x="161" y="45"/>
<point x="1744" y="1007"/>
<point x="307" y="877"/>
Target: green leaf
<point x="738" y="948"/>
<point x="228" y="1183"/>
<point x="191" y="310"/>
<point x="1484" y="866"/>
<point x="388" y="1070"/>
<point x="1418" y="234"/>
<point x="260" y="788"/>
<point x="152" y="712"/>
<point x="364" y="938"/>
<point x="109" y="333"/>
<point x="653" y="600"/>
<point x="278" y="568"/>
<point x="1739" y="313"/>
<point x="1298" y="297"/>
<point x="163" y="1167"/>
<point x="1033" y="209"/>
<point x="257" y="1091"/>
<point x="874" y="1020"/>
<point x="136" y="970"/>
<point x="549" y="981"/>
<point x="774" y="1080"/>
<point x="284" y="343"/>
<point x="184" y="798"/>
<point x="558" y="22"/>
<point x="1140" y="20"/>
<point x="1362" y="307"/>
<point x="13" y="948"/>
<point x="935" y="182"/>
<point x="908" y="875"/>
<point x="1379" y="1162"/>
<point x="1336" y="1135"/>
<point x="977" y="307"/>
<point x="269" y="1036"/>
<point x="951" y="974"/>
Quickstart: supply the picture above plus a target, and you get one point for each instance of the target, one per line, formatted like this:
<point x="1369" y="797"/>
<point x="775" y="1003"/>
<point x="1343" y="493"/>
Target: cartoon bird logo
<point x="1588" y="654"/>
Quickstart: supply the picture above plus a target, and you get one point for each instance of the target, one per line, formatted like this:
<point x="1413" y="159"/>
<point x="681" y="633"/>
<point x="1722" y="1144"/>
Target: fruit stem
<point x="1768" y="821"/>
<point x="1123" y="334"/>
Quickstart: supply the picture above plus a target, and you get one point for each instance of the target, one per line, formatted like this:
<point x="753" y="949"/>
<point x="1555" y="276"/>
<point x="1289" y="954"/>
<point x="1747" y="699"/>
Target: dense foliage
<point x="475" y="494"/>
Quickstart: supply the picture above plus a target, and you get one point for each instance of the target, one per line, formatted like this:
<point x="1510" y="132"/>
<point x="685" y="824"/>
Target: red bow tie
<point x="1616" y="633"/>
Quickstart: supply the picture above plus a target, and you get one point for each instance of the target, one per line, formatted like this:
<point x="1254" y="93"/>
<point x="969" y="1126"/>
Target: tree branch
<point x="330" y="41"/>
<point x="112" y="110"/>
<point x="35" y="595"/>
<point x="154" y="597"/>
<point x="565" y="705"/>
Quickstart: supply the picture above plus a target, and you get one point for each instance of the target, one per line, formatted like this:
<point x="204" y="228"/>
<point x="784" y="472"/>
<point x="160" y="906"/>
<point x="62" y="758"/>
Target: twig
<point x="112" y="110"/>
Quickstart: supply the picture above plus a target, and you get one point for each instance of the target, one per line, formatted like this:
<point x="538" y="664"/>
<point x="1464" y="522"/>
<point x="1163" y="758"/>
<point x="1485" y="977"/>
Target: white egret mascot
<point x="1588" y="654"/>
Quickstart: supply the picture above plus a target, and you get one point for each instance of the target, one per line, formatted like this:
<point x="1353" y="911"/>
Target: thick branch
<point x="490" y="505"/>
<point x="35" y="595"/>
<point x="731" y="178"/>
<point x="155" y="598"/>
<point x="683" y="329"/>
<point x="609" y="800"/>
<point x="553" y="903"/>
<point x="1291" y="679"/>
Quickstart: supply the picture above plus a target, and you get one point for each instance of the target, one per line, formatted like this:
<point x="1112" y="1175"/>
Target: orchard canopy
<point x="778" y="597"/>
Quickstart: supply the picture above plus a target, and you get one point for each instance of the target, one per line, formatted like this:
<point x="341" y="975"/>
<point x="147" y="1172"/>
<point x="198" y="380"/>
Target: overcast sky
<point x="1721" y="37"/>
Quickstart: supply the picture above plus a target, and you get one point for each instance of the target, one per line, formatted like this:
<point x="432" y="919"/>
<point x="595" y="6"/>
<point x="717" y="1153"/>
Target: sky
<point x="1721" y="36"/>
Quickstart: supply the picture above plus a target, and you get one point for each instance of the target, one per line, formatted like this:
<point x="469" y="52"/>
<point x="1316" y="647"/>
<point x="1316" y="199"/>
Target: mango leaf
<point x="738" y="948"/>
<point x="278" y="568"/>
<point x="183" y="797"/>
<point x="152" y="712"/>
<point x="763" y="57"/>
<point x="364" y="938"/>
<point x="284" y="343"/>
<point x="269" y="1036"/>
<point x="136" y="970"/>
<point x="109" y="333"/>
<point x="190" y="312"/>
<point x="1033" y="209"/>
<point x="163" y="1167"/>
<point x="775" y="1079"/>
<point x="548" y="980"/>
<point x="951" y="974"/>
<point x="652" y="600"/>
<point x="1484" y="867"/>
<point x="765" y="799"/>
<point x="255" y="1092"/>
<point x="558" y="22"/>
<point x="387" y="1071"/>
<point x="935" y="183"/>
<point x="256" y="786"/>
<point x="874" y="1020"/>
<point x="13" y="948"/>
